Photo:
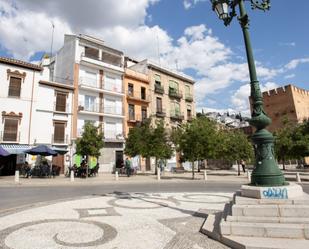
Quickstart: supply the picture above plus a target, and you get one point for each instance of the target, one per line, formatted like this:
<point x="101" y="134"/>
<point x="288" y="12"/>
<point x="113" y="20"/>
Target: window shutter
<point x="14" y="87"/>
<point x="10" y="130"/>
<point x="61" y="102"/>
<point x="59" y="132"/>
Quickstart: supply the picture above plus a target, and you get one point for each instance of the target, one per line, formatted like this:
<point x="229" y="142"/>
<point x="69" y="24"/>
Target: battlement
<point x="285" y="90"/>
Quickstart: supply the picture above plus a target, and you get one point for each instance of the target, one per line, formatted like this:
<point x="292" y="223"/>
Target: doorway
<point x="119" y="158"/>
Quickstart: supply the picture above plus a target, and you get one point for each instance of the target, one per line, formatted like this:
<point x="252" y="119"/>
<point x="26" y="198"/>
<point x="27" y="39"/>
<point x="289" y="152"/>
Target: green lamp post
<point x="266" y="171"/>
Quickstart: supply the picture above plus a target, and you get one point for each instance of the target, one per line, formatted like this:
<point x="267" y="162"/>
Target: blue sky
<point x="187" y="33"/>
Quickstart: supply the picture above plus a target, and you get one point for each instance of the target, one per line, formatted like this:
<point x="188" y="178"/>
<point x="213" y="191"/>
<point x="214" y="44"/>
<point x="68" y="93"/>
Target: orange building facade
<point x="137" y="98"/>
<point x="287" y="101"/>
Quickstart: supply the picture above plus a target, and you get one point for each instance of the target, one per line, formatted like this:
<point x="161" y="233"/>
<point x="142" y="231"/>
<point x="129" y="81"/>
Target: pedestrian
<point x="243" y="165"/>
<point x="161" y="165"/>
<point x="128" y="166"/>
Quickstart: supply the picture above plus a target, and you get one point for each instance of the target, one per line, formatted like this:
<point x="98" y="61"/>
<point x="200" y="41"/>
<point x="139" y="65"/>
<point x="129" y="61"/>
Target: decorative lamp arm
<point x="264" y="5"/>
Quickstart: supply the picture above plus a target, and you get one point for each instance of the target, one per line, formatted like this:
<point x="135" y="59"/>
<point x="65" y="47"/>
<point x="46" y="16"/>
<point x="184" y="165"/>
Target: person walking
<point x="128" y="166"/>
<point x="243" y="165"/>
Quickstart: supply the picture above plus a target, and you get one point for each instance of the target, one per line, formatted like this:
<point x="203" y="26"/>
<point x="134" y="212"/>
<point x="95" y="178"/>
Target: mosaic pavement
<point x="115" y="221"/>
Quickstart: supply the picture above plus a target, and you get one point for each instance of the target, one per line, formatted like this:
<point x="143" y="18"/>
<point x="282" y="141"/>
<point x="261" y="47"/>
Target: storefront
<point x="9" y="164"/>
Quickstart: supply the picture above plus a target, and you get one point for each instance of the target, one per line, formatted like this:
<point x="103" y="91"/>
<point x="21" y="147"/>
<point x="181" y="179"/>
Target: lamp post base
<point x="266" y="171"/>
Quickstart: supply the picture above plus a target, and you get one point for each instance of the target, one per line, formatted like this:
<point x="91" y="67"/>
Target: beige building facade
<point x="171" y="94"/>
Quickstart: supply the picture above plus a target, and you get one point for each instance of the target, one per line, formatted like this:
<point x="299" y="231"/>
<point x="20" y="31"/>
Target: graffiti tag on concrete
<point x="276" y="193"/>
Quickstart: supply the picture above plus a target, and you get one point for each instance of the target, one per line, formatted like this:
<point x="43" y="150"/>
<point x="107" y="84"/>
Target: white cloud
<point x="240" y="99"/>
<point x="287" y="44"/>
<point x="290" y="76"/>
<point x="294" y="63"/>
<point x="190" y="3"/>
<point x="25" y="28"/>
<point x="25" y="25"/>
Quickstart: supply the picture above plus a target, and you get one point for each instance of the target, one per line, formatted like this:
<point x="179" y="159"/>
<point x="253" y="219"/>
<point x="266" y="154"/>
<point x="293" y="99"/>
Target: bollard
<point x="116" y="176"/>
<point x="17" y="176"/>
<point x="72" y="176"/>
<point x="158" y="174"/>
<point x="298" y="177"/>
<point x="249" y="175"/>
<point x="205" y="175"/>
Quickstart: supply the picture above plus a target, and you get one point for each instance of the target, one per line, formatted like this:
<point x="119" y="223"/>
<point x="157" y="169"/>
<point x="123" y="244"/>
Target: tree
<point x="234" y="146"/>
<point x="149" y="141"/>
<point x="284" y="143"/>
<point x="196" y="140"/>
<point x="133" y="142"/>
<point x="91" y="141"/>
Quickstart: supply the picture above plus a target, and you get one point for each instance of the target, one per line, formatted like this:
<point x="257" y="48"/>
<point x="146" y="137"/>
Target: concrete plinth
<point x="279" y="216"/>
<point x="278" y="192"/>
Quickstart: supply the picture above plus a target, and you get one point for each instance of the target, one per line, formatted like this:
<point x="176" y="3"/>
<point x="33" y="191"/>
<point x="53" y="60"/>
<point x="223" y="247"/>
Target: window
<point x="159" y="105"/>
<point x="189" y="112"/>
<point x="143" y="93"/>
<point x="91" y="52"/>
<point x="110" y="130"/>
<point x="131" y="112"/>
<point x="173" y="85"/>
<point x="144" y="113"/>
<point x="187" y="90"/>
<point x="61" y="101"/>
<point x="90" y="79"/>
<point x="113" y="83"/>
<point x="59" y="131"/>
<point x="10" y="130"/>
<point x="89" y="103"/>
<point x="14" y="87"/>
<point x="110" y="106"/>
<point x="130" y="89"/>
<point x="158" y="79"/>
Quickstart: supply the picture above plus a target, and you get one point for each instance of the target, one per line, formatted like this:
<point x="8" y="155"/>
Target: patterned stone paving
<point x="115" y="221"/>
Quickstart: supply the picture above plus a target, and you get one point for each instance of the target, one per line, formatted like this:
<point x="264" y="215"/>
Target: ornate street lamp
<point x="266" y="171"/>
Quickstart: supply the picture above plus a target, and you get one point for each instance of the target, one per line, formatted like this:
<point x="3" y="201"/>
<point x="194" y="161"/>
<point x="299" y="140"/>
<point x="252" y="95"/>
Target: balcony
<point x="174" y="93"/>
<point x="90" y="82"/>
<point x="176" y="115"/>
<point x="60" y="140"/>
<point x="113" y="136"/>
<point x="139" y="96"/>
<point x="112" y="110"/>
<point x="159" y="89"/>
<point x="160" y="113"/>
<point x="134" y="118"/>
<point x="105" y="59"/>
<point x="95" y="107"/>
<point x="189" y="97"/>
<point x="9" y="137"/>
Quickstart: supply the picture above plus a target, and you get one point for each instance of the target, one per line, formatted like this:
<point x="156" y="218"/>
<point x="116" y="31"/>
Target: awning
<point x="16" y="148"/>
<point x="59" y="150"/>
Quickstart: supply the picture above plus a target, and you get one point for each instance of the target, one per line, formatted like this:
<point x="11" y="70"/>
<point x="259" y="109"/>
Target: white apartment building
<point x="97" y="74"/>
<point x="34" y="111"/>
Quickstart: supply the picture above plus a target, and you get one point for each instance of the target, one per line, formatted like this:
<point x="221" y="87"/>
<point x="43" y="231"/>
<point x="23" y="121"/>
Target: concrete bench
<point x="178" y="170"/>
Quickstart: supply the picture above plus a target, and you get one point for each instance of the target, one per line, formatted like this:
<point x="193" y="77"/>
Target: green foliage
<point x="133" y="142"/>
<point x="292" y="141"/>
<point x="195" y="140"/>
<point x="91" y="141"/>
<point x="149" y="141"/>
<point x="202" y="139"/>
<point x="234" y="146"/>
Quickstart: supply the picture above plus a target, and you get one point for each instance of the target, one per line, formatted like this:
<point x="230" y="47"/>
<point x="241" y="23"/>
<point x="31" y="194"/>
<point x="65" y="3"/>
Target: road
<point x="19" y="196"/>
